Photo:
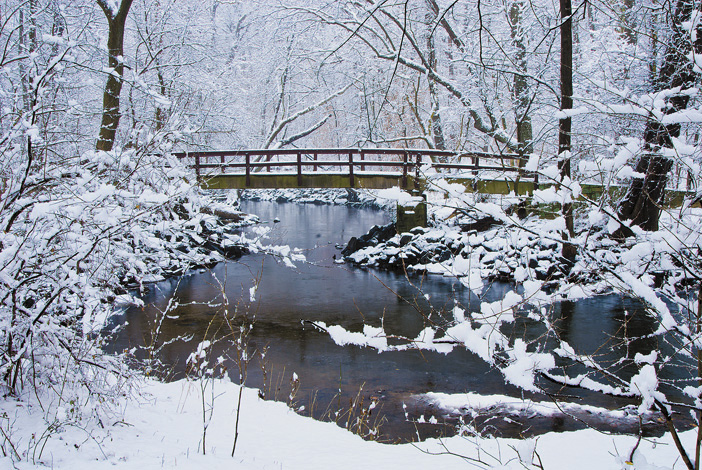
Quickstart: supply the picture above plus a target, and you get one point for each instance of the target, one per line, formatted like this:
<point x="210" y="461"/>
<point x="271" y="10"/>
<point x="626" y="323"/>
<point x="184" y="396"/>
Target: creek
<point x="331" y="377"/>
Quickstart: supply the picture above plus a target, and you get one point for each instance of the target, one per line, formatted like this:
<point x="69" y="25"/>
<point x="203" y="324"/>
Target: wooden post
<point x="314" y="167"/>
<point x="248" y="169"/>
<point x="222" y="167"/>
<point x="351" y="181"/>
<point x="299" y="169"/>
<point x="520" y="175"/>
<point x="197" y="165"/>
<point x="404" y="170"/>
<point x="363" y="157"/>
<point x="416" y="171"/>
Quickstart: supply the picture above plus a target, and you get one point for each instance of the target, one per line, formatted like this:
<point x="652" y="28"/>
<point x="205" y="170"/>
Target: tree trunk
<point x="161" y="112"/>
<point x="642" y="202"/>
<point x="627" y="21"/>
<point x="113" y="88"/>
<point x="437" y="130"/>
<point x="564" y="124"/>
<point x="521" y="87"/>
<point x="525" y="133"/>
<point x="27" y="46"/>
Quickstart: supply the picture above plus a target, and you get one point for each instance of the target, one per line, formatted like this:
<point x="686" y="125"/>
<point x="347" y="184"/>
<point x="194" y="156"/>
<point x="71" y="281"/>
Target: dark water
<point x="334" y="379"/>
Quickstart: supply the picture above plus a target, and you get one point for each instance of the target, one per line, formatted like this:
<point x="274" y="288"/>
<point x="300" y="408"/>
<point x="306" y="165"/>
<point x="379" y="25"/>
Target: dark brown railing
<point x="406" y="161"/>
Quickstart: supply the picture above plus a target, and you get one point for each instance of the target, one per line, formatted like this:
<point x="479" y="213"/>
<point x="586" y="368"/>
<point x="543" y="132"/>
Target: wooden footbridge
<point x="354" y="168"/>
<point x="410" y="169"/>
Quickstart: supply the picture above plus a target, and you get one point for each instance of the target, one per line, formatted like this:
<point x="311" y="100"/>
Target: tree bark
<point x="27" y="45"/>
<point x="437" y="129"/>
<point x="564" y="124"/>
<point x="525" y="133"/>
<point x="521" y="87"/>
<point x="644" y="196"/>
<point x="113" y="87"/>
<point x="627" y="21"/>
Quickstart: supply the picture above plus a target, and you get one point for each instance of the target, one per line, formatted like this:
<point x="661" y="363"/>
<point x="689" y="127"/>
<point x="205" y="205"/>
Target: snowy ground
<point x="162" y="428"/>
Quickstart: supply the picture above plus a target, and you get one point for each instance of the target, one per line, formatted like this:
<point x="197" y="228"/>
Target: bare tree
<point x="116" y="21"/>
<point x="437" y="129"/>
<point x="277" y="126"/>
<point x="522" y="95"/>
<point x="641" y="205"/>
<point x="564" y="123"/>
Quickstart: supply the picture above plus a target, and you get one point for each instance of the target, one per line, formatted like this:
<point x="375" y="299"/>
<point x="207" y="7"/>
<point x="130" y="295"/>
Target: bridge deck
<point x="307" y="180"/>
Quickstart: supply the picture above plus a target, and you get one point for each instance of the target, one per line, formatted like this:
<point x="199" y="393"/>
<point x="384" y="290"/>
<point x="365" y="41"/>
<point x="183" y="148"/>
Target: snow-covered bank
<point x="478" y="242"/>
<point x="166" y="432"/>
<point x="162" y="428"/>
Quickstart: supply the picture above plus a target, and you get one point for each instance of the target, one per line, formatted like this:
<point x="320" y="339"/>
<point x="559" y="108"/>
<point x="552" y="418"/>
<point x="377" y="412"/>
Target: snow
<point x="199" y="355"/>
<point x="252" y="293"/>
<point x="150" y="197"/>
<point x="526" y="251"/>
<point x="645" y="384"/>
<point x="371" y="336"/>
<point x="481" y="340"/>
<point x="366" y="198"/>
<point x="567" y="113"/>
<point x="403" y="198"/>
<point x="425" y="340"/>
<point x="524" y="366"/>
<point x="162" y="427"/>
<point x="127" y="300"/>
<point x="501" y="310"/>
<point x="81" y="228"/>
<point x="473" y="404"/>
<point x="533" y="163"/>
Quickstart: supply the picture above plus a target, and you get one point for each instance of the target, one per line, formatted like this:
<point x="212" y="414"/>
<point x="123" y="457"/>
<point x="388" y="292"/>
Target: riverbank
<point x="200" y="240"/>
<point x="162" y="427"/>
<point x="479" y="241"/>
<point x="348" y="197"/>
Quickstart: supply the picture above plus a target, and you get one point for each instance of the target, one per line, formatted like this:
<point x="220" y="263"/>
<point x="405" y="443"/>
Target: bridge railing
<point x="348" y="161"/>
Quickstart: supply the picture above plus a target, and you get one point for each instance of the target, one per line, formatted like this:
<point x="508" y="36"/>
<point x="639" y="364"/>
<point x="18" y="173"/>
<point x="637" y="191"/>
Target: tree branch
<point x="300" y="113"/>
<point x="302" y="134"/>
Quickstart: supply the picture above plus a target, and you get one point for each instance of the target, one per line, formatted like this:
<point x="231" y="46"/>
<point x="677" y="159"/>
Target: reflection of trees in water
<point x="636" y="327"/>
<point x="564" y="314"/>
<point x="613" y="329"/>
<point x="605" y="325"/>
<point x="589" y="328"/>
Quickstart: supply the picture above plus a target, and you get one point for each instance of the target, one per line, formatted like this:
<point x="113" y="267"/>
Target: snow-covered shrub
<point x="76" y="232"/>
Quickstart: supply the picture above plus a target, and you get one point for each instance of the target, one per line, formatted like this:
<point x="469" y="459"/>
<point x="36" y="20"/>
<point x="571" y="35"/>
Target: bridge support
<point x="411" y="214"/>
